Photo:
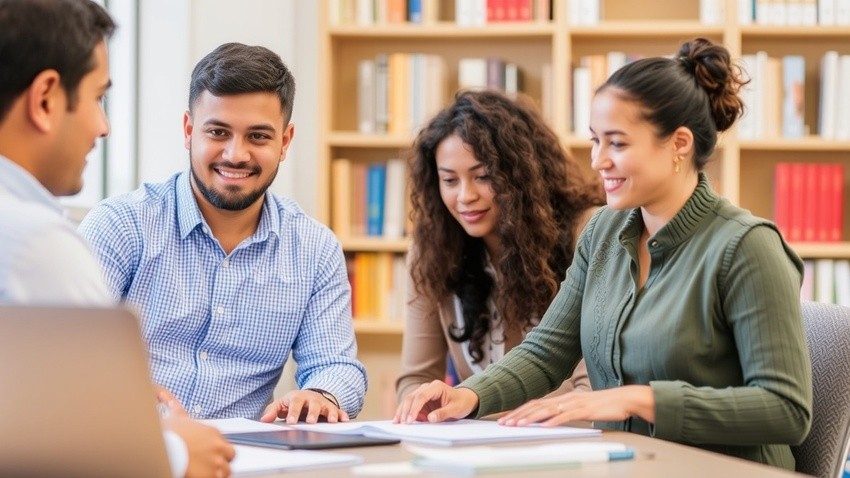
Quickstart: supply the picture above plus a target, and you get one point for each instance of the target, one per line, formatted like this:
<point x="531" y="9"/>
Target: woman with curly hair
<point x="497" y="207"/>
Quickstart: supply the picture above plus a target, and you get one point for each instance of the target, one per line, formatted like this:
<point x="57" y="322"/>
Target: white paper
<point x="241" y="425"/>
<point x="250" y="459"/>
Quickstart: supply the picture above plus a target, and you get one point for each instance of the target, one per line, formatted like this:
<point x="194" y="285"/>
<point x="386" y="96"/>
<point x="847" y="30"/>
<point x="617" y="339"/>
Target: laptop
<point x="75" y="395"/>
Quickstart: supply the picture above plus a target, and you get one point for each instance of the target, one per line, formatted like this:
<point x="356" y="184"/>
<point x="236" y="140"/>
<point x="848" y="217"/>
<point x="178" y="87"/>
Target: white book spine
<point x="828" y="94"/>
<point x="365" y="12"/>
<point x="793" y="94"/>
<point x="581" y="102"/>
<point x="810" y="12"/>
<point x="826" y="12"/>
<point x="747" y="123"/>
<point x="842" y="114"/>
<point x="472" y="73"/>
<point x="712" y="12"/>
<point x="842" y="282"/>
<point x="825" y="280"/>
<point x="842" y="12"/>
<point x="745" y="12"/>
<point x="394" y="199"/>
<point x="366" y="90"/>
<point x="794" y="12"/>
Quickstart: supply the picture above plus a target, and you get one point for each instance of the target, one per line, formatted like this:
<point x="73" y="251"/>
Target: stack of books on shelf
<point x="369" y="199"/>
<point x="397" y="93"/>
<point x="378" y="282"/>
<point x="493" y="73"/>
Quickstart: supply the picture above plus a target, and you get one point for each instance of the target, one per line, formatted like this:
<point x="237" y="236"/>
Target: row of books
<point x="418" y="12"/>
<point x="399" y="92"/>
<point x="792" y="12"/>
<point x="775" y="97"/>
<point x="809" y="201"/>
<point x="761" y="12"/>
<point x="378" y="282"/>
<point x="369" y="199"/>
<point x="483" y="12"/>
<point x="826" y="280"/>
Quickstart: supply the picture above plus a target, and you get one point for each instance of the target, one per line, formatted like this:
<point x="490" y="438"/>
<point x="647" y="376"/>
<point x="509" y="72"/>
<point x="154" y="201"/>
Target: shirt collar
<point x="22" y="185"/>
<point x="684" y="223"/>
<point x="189" y="214"/>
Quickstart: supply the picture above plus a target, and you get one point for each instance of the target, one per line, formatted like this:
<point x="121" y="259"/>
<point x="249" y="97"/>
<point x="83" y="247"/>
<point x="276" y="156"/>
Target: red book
<point x="836" y="230"/>
<point x="524" y="8"/>
<point x="782" y="198"/>
<point x="825" y="207"/>
<point x="796" y="211"/>
<point x="810" y="202"/>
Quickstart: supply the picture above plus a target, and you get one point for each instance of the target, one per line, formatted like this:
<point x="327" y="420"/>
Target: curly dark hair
<point x="541" y="193"/>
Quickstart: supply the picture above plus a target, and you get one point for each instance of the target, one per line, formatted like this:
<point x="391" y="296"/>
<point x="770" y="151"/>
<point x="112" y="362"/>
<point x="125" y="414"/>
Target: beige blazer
<point x="426" y="343"/>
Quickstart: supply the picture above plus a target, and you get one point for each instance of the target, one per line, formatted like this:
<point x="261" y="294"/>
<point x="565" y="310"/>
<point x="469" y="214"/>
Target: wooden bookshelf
<point x="741" y="170"/>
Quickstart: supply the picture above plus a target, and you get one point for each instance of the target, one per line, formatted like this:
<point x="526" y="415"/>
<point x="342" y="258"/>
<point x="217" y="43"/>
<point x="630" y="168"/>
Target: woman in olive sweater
<point x="686" y="307"/>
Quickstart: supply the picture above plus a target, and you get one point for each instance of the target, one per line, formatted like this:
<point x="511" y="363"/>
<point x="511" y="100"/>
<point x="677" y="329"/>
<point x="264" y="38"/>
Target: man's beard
<point x="230" y="202"/>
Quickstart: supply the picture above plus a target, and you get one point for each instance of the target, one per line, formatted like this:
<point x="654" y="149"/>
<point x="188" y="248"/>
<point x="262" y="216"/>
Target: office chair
<point x="824" y="452"/>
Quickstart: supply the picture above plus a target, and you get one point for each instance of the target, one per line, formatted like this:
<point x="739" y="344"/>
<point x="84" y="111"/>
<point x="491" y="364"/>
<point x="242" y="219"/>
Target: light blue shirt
<point x="220" y="326"/>
<point x="45" y="261"/>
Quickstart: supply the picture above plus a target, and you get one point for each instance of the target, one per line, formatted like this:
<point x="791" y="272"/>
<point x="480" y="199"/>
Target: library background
<point x="387" y="66"/>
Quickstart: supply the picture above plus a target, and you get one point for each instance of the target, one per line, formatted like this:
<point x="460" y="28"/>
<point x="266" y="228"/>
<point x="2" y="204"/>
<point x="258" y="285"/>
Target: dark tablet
<point x="293" y="439"/>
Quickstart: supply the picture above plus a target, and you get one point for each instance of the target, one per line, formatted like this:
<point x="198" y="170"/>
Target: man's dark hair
<point x="234" y="68"/>
<point x="39" y="35"/>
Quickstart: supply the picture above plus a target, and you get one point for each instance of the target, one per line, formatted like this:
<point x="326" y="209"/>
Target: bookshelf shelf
<point x="645" y="29"/>
<point x="373" y="244"/>
<point x="787" y="33"/>
<point x="822" y="250"/>
<point x="808" y="143"/>
<point x="378" y="327"/>
<point x="444" y="30"/>
<point x="351" y="139"/>
<point x="546" y="52"/>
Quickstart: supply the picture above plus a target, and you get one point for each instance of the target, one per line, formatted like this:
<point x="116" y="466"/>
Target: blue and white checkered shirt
<point x="220" y="327"/>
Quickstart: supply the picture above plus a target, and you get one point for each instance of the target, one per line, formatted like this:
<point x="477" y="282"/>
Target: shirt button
<point x="654" y="244"/>
<point x="219" y="310"/>
<point x="196" y="409"/>
<point x="204" y="355"/>
<point x="225" y="263"/>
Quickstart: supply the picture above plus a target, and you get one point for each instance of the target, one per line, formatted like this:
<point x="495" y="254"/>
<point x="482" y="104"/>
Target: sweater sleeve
<point x="549" y="353"/>
<point x="760" y="293"/>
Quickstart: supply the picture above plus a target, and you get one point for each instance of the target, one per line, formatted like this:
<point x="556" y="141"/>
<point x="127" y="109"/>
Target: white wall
<point x="175" y="34"/>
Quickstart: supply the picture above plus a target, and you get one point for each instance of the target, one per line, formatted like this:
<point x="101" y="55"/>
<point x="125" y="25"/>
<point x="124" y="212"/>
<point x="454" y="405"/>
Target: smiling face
<point x="637" y="167"/>
<point x="466" y="190"/>
<point x="236" y="144"/>
<point x="78" y="126"/>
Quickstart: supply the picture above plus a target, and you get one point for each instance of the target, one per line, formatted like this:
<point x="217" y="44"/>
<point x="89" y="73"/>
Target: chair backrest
<point x="824" y="452"/>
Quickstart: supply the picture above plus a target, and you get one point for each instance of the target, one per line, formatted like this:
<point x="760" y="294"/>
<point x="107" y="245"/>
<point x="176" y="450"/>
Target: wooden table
<point x="654" y="458"/>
